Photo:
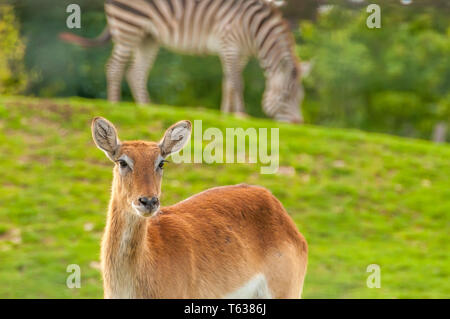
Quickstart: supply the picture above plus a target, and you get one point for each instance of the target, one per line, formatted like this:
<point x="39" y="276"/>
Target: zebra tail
<point x="101" y="40"/>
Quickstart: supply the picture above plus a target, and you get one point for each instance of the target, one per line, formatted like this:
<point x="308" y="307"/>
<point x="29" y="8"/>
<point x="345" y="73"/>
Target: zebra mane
<point x="276" y="3"/>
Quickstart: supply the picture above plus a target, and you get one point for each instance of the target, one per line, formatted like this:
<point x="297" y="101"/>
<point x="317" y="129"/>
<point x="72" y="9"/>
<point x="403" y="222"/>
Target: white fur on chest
<point x="121" y="283"/>
<point x="122" y="280"/>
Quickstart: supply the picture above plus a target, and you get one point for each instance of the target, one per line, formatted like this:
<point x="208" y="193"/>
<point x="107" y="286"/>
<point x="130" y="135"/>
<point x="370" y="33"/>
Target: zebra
<point x="234" y="30"/>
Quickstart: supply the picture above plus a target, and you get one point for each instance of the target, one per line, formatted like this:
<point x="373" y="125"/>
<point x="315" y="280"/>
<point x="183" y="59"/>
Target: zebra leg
<point x="115" y="69"/>
<point x="232" y="95"/>
<point x="137" y="75"/>
<point x="226" y="96"/>
<point x="239" y="91"/>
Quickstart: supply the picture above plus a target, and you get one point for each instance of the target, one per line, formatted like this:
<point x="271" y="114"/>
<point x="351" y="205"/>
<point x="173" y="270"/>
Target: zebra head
<point x="284" y="92"/>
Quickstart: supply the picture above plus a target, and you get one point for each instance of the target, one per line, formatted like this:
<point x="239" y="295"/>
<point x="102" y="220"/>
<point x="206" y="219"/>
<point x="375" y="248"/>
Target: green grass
<point x="358" y="198"/>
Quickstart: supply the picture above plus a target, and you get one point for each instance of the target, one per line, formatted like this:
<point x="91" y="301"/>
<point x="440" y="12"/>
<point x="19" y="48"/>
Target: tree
<point x="394" y="79"/>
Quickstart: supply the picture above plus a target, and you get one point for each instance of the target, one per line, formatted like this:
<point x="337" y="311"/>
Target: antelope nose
<point x="149" y="202"/>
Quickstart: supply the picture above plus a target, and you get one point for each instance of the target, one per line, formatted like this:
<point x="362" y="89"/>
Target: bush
<point x="12" y="75"/>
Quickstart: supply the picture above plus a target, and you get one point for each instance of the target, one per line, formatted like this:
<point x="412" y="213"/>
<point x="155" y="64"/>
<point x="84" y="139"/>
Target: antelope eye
<point x="122" y="164"/>
<point x="161" y="164"/>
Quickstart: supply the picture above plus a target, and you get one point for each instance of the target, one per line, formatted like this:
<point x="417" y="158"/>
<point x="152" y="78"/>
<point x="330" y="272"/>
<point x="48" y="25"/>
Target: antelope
<point x="225" y="242"/>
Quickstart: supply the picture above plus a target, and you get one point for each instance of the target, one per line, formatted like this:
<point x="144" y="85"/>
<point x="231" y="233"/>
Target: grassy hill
<point x="358" y="198"/>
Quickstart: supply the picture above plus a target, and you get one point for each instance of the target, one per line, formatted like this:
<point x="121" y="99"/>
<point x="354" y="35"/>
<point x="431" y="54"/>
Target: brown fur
<point x="206" y="246"/>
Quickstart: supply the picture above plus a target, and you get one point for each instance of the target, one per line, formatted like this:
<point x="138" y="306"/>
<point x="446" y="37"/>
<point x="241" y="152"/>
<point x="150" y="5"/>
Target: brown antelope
<point x="226" y="242"/>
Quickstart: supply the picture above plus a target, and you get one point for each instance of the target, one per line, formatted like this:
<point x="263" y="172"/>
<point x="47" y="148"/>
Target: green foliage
<point x="394" y="79"/>
<point x="12" y="74"/>
<point x="358" y="198"/>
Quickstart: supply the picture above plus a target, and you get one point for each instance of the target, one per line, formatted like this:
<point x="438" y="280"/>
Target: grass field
<point x="358" y="198"/>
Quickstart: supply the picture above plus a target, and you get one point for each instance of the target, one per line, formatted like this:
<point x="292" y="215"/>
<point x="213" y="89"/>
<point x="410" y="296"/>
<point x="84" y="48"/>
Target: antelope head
<point x="139" y="165"/>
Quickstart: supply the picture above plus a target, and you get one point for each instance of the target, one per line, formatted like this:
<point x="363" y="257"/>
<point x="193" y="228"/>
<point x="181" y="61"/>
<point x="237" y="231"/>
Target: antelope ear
<point x="175" y="138"/>
<point x="105" y="137"/>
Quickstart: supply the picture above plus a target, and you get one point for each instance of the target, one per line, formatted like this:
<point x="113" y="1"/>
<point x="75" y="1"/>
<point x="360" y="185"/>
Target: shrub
<point x="12" y="49"/>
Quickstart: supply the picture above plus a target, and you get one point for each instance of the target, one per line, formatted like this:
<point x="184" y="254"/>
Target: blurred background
<point x="366" y="179"/>
<point x="394" y="80"/>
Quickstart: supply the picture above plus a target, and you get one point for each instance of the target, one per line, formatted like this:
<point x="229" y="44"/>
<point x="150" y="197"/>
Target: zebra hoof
<point x="298" y="121"/>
